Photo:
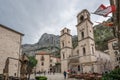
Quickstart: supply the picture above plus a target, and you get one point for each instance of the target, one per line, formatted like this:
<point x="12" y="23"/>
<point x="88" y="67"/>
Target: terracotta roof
<point x="11" y="29"/>
<point x="42" y="53"/>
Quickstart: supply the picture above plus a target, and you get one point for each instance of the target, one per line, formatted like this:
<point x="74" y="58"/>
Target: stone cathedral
<point x="84" y="58"/>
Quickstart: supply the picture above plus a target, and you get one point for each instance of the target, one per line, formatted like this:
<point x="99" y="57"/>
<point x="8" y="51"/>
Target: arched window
<point x="77" y="52"/>
<point x="50" y="65"/>
<point x="82" y="18"/>
<point x="63" y="56"/>
<point x="92" y="50"/>
<point x="42" y="58"/>
<point x="42" y="63"/>
<point x="50" y="60"/>
<point x="84" y="51"/>
<point x="82" y="34"/>
<point x="62" y="43"/>
<point x="78" y="67"/>
<point x="67" y="30"/>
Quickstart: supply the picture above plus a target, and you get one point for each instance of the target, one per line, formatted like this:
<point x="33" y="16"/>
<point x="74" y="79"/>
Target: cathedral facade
<point x="84" y="58"/>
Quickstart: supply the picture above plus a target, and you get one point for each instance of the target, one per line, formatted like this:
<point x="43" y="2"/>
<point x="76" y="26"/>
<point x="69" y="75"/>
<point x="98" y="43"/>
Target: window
<point x="84" y="51"/>
<point x="82" y="34"/>
<point x="50" y="60"/>
<point x="42" y="63"/>
<point x="119" y="62"/>
<point x="116" y="59"/>
<point x="82" y="18"/>
<point x="14" y="74"/>
<point x="69" y="55"/>
<point x="62" y="43"/>
<point x="78" y="67"/>
<point x="50" y="65"/>
<point x="77" y="52"/>
<point x="42" y="58"/>
<point x="67" y="30"/>
<point x="92" y="50"/>
<point x="63" y="56"/>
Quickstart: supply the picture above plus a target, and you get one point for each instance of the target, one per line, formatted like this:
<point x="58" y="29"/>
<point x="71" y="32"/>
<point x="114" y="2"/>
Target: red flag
<point x="101" y="7"/>
<point x="106" y="11"/>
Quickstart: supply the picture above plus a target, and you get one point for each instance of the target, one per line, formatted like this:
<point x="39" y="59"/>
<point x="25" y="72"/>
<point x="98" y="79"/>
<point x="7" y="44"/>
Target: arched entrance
<point x="73" y="65"/>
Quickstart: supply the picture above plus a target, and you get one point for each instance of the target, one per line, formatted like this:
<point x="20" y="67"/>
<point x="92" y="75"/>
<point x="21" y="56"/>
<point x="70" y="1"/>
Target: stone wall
<point x="10" y="42"/>
<point x="114" y="53"/>
<point x="46" y="63"/>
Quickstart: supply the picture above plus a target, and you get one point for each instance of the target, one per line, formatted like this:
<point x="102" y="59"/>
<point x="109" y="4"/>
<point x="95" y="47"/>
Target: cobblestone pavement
<point x="56" y="76"/>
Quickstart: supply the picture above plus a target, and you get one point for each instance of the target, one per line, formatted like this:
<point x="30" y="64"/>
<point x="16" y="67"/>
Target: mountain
<point x="47" y="42"/>
<point x="51" y="43"/>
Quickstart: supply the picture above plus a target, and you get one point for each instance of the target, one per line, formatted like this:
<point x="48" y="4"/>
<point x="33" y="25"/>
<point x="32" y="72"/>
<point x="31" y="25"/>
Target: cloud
<point x="35" y="17"/>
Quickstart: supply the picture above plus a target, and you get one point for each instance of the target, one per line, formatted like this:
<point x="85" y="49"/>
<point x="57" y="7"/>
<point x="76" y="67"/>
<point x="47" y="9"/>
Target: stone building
<point x="10" y="46"/>
<point x="113" y="52"/>
<point x="83" y="58"/>
<point x="46" y="62"/>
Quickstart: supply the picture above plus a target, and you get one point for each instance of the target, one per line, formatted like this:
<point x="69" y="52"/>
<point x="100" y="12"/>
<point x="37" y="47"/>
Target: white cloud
<point x="35" y="17"/>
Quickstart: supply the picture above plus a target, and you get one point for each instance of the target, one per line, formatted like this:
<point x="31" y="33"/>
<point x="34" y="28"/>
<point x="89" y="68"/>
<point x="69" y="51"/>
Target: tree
<point x="112" y="75"/>
<point x="31" y="64"/>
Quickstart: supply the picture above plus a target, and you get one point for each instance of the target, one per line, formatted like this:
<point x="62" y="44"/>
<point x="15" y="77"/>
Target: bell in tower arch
<point x="83" y="15"/>
<point x="82" y="18"/>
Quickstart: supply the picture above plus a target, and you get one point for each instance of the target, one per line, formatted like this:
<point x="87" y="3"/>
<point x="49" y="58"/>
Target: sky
<point x="36" y="17"/>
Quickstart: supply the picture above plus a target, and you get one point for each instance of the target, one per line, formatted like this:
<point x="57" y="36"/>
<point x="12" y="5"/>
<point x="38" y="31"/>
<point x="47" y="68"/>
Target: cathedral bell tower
<point x="86" y="40"/>
<point x="66" y="48"/>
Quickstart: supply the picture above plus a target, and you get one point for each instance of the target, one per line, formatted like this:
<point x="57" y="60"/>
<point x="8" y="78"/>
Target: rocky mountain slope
<point x="47" y="42"/>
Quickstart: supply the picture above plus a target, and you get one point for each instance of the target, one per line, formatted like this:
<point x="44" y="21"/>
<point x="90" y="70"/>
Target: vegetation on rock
<point x="101" y="35"/>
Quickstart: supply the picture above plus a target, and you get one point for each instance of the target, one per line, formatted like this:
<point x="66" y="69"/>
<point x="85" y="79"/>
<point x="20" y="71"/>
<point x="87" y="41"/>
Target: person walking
<point x="53" y="72"/>
<point x="65" y="73"/>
